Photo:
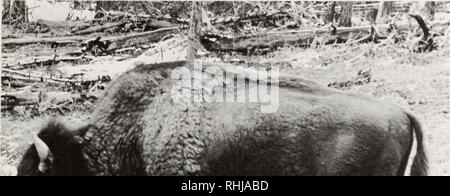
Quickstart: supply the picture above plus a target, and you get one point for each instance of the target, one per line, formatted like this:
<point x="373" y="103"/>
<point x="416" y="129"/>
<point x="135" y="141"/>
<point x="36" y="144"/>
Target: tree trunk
<point x="386" y="7"/>
<point x="195" y="29"/>
<point x="430" y="9"/>
<point x="346" y="14"/>
<point x="425" y="9"/>
<point x="14" y="11"/>
<point x="332" y="12"/>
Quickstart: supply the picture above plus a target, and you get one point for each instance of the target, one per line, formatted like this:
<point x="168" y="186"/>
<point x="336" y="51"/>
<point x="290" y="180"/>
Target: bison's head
<point x="57" y="150"/>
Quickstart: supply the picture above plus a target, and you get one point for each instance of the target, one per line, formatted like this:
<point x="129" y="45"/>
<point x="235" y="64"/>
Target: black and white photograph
<point x="225" y="89"/>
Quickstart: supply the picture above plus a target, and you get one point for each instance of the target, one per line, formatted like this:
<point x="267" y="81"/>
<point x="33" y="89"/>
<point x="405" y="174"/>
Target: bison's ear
<point x="44" y="153"/>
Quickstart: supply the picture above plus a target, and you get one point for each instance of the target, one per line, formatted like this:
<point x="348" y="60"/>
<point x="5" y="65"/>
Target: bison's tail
<point x="420" y="163"/>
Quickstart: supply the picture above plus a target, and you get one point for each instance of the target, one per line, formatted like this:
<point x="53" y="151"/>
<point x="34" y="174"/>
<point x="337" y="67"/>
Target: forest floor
<point x="420" y="82"/>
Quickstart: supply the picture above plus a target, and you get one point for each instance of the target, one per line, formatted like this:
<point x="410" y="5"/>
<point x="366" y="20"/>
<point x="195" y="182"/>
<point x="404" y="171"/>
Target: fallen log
<point x="29" y="40"/>
<point x="60" y="24"/>
<point x="13" y="75"/>
<point x="139" y="38"/>
<point x="269" y="19"/>
<point x="99" y="28"/>
<point x="248" y="44"/>
<point x="153" y="24"/>
<point x="49" y="62"/>
<point x="46" y="99"/>
<point x="117" y="42"/>
<point x="18" y="99"/>
<point x="15" y="84"/>
<point x="109" y="45"/>
<point x="31" y="79"/>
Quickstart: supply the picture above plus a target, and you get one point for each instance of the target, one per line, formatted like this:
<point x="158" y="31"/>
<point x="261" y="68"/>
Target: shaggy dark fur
<point x="138" y="129"/>
<point x="65" y="145"/>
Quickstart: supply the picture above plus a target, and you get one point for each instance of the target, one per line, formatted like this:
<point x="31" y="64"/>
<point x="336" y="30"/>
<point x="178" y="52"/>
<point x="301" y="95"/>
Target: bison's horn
<point x="44" y="153"/>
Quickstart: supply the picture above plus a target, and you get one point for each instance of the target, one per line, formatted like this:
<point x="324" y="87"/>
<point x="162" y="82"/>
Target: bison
<point x="138" y="129"/>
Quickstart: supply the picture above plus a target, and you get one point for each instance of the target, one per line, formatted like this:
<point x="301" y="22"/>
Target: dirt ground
<point x="420" y="82"/>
